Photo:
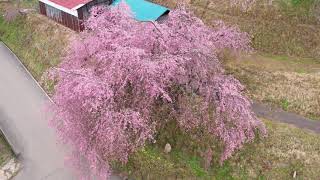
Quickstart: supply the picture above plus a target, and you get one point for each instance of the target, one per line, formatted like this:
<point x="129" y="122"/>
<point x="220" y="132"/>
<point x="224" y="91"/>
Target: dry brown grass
<point x="285" y="150"/>
<point x="293" y="84"/>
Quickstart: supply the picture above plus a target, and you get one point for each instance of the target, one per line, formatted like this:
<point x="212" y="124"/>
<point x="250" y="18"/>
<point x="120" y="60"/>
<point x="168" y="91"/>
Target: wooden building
<point x="70" y="13"/>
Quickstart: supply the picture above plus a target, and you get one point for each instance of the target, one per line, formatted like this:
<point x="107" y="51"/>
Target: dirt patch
<point x="11" y="13"/>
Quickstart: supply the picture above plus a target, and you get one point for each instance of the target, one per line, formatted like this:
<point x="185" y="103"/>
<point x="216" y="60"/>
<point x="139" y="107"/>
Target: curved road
<point x="22" y="121"/>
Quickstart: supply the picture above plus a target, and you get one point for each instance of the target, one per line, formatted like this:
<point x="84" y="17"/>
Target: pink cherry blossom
<point x="118" y="70"/>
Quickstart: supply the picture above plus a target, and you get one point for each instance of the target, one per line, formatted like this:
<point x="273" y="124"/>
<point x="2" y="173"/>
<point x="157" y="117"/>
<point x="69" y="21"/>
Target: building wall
<point x="86" y="8"/>
<point x="61" y="17"/>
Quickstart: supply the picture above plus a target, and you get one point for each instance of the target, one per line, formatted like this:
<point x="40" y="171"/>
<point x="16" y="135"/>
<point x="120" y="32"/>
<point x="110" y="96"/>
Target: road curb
<point x="28" y="72"/>
<point x="11" y="141"/>
<point x="12" y="145"/>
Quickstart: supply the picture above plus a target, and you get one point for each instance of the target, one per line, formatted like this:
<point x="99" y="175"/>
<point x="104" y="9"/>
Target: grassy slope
<point x="37" y="41"/>
<point x="285" y="150"/>
<point x="291" y="83"/>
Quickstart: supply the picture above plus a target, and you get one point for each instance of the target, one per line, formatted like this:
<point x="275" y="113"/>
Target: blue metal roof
<point x="144" y="10"/>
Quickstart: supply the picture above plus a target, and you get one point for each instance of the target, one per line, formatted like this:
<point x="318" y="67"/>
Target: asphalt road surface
<point x="22" y="120"/>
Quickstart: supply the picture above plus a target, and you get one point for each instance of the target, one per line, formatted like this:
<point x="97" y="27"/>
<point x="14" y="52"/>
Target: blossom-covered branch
<point x="118" y="69"/>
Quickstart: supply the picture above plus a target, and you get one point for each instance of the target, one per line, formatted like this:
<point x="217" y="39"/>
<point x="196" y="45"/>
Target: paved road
<point x="21" y="101"/>
<point x="279" y="115"/>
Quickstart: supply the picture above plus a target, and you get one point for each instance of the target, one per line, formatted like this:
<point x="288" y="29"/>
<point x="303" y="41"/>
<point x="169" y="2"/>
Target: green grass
<point x="18" y="36"/>
<point x="36" y="40"/>
<point x="25" y="41"/>
<point x="304" y="11"/>
<point x="13" y="32"/>
<point x="5" y="151"/>
<point x="284" y="104"/>
<point x="29" y="3"/>
<point x="152" y="162"/>
<point x="296" y="5"/>
<point x="285" y="150"/>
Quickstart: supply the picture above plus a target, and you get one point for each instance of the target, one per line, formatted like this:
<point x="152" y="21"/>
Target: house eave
<point x="72" y="11"/>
